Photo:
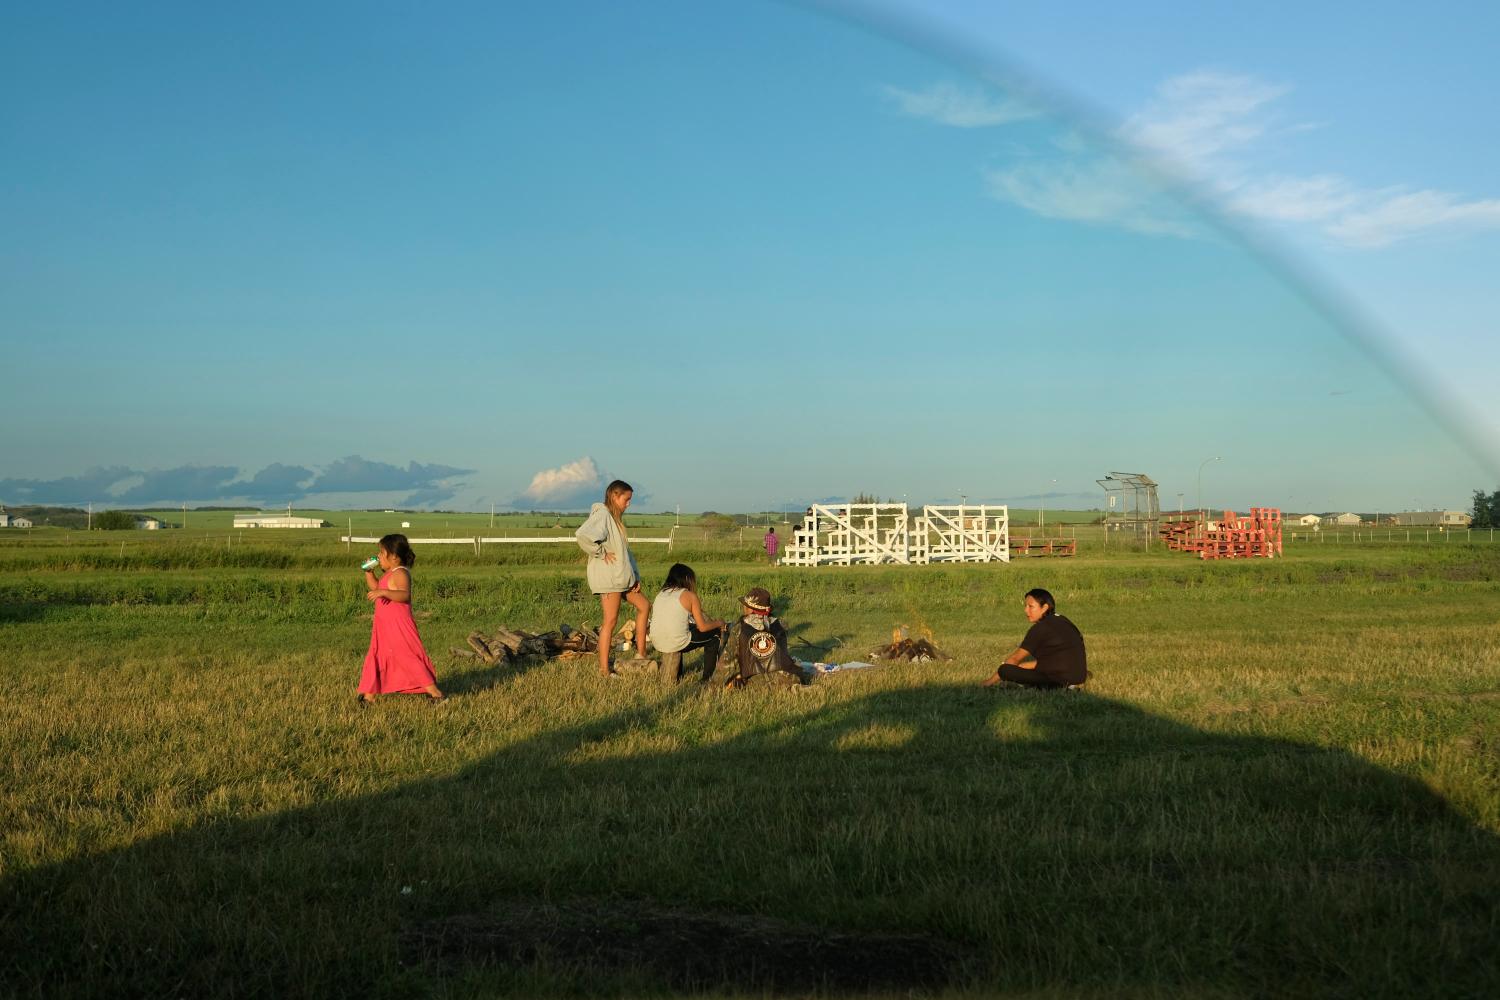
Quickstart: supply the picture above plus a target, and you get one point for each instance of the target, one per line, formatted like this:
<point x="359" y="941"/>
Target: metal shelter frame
<point x="1132" y="505"/>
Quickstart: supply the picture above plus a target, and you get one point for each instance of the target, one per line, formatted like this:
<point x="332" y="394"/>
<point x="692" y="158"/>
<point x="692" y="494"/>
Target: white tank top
<point x="669" y="622"/>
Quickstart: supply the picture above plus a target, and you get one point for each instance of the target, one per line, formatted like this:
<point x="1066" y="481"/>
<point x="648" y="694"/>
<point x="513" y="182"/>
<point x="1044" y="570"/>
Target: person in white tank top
<point x="678" y="624"/>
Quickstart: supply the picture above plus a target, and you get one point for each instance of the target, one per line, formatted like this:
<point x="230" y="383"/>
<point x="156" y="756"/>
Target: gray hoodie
<point x="601" y="534"/>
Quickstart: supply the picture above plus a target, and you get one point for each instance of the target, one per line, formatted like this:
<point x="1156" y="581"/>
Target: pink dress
<point x="396" y="662"/>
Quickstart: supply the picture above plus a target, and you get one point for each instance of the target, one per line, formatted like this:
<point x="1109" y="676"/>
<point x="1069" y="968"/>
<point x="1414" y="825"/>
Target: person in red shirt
<point x="1051" y="655"/>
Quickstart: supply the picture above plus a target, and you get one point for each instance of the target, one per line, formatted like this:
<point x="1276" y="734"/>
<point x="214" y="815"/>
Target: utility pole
<point x="91" y="516"/>
<point x="1203" y="515"/>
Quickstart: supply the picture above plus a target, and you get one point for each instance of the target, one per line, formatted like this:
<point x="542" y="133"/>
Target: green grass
<point x="1284" y="778"/>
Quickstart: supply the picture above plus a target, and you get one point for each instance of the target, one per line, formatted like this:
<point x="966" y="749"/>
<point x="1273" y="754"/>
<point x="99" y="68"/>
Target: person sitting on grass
<point x="1053" y="643"/>
<point x="758" y="652"/>
<point x="678" y="624"/>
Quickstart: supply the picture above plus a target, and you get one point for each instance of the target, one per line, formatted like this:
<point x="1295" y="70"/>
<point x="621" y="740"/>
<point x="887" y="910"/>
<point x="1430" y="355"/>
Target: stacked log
<point x="507" y="645"/>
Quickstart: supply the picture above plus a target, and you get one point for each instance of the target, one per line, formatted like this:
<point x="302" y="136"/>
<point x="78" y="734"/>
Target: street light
<point x="1201" y="515"/>
<point x="1041" y="513"/>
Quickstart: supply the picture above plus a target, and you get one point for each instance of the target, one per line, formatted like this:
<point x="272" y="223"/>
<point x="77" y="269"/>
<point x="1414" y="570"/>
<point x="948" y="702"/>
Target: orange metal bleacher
<point x="1257" y="535"/>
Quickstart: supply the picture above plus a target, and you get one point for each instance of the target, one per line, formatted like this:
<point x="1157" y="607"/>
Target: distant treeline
<point x="57" y="517"/>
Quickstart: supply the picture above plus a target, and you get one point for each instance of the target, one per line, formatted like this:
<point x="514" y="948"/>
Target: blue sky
<point x="747" y="257"/>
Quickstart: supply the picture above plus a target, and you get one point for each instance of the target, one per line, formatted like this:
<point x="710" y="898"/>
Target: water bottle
<point x="369" y="564"/>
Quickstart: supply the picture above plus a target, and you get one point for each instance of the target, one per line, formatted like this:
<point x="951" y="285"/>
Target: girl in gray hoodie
<point x="612" y="570"/>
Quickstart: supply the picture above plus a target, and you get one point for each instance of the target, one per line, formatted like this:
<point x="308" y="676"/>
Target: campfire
<point x="903" y="647"/>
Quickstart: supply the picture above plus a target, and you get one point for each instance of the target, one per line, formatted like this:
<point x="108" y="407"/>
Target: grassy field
<point x="1283" y="780"/>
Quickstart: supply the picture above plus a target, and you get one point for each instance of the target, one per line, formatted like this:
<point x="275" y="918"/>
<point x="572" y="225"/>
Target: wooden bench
<point x="1044" y="547"/>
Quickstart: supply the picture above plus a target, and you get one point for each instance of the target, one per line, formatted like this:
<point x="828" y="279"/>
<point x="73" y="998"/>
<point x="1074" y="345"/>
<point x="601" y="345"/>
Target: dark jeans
<point x="706" y="641"/>
<point x="1030" y="678"/>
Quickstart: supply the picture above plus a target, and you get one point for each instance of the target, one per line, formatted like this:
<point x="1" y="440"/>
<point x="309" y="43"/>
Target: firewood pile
<point x="507" y="645"/>
<point x="903" y="647"/>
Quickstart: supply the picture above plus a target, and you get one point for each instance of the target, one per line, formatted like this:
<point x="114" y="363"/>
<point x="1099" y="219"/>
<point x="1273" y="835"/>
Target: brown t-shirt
<point x="1058" y="647"/>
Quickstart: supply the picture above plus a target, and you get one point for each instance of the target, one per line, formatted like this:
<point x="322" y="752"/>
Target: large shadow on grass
<point x="1062" y="841"/>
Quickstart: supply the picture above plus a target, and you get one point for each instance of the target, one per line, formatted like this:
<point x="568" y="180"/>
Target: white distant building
<point x="148" y="524"/>
<point x="277" y="521"/>
<point x="12" y="521"/>
<point x="1343" y="520"/>
<point x="1434" y="518"/>
<point x="1308" y="520"/>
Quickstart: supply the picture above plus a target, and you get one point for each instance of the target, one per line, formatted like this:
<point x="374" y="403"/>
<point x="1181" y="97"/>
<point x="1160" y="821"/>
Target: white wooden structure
<point x="849" y="534"/>
<point x="873" y="534"/>
<point x="963" y="533"/>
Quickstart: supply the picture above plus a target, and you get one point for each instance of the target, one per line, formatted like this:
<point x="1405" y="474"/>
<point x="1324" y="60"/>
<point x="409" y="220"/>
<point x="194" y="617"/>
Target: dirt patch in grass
<point x="682" y="948"/>
<point x="1466" y="573"/>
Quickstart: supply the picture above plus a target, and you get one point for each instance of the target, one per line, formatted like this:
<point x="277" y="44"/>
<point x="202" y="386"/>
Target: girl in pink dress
<point x="396" y="662"/>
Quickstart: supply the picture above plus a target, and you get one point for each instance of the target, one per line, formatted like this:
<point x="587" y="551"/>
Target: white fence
<point x="886" y="533"/>
<point x="478" y="543"/>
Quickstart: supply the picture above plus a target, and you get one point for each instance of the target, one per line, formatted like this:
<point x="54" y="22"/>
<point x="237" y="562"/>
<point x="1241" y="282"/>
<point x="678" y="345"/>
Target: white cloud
<point x="566" y="485"/>
<point x="1098" y="191"/>
<point x="1207" y="127"/>
<point x="1294" y="199"/>
<point x="1198" y="117"/>
<point x="947" y="104"/>
<point x="1384" y="220"/>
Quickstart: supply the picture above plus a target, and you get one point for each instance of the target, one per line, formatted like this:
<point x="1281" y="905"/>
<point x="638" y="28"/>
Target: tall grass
<point x="1282" y="781"/>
